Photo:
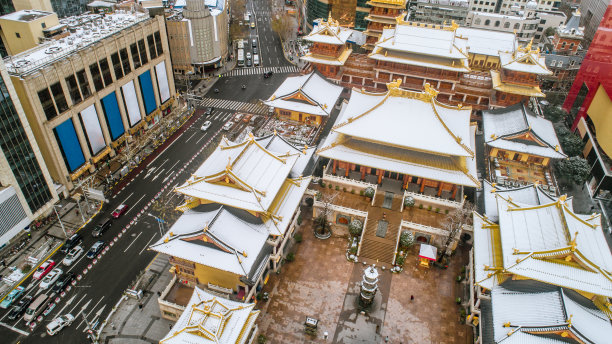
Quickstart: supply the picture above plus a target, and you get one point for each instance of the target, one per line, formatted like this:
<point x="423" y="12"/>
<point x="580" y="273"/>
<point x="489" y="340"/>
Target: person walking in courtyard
<point x="411" y="297"/>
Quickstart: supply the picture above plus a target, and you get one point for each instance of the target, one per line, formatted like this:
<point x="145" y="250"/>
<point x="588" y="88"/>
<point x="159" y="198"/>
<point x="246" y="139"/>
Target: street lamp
<point x="55" y="206"/>
<point x="160" y="224"/>
<point x="90" y="331"/>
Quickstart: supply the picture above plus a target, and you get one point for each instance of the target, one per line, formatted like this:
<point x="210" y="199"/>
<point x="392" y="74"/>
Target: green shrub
<point x="262" y="339"/>
<point x="409" y="202"/>
<point x="337" y="188"/>
<point x="355" y="227"/>
<point x="429" y="208"/>
<point x="329" y="186"/>
<point x="458" y="300"/>
<point x="406" y="239"/>
<point x="361" y="192"/>
<point x="437" y="210"/>
<point x="344" y="189"/>
<point x="309" y="201"/>
<point x="446" y="211"/>
<point x="298" y="237"/>
<point x="353" y="191"/>
<point x="369" y="192"/>
<point x="353" y="250"/>
<point x="322" y="184"/>
<point x="299" y="220"/>
<point x="290" y="257"/>
<point x="459" y="278"/>
<point x="399" y="260"/>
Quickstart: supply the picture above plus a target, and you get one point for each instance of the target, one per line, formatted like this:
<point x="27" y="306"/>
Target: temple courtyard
<point x="322" y="284"/>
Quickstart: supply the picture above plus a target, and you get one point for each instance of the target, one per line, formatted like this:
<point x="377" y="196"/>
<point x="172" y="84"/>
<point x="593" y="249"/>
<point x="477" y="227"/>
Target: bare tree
<point x="325" y="201"/>
<point x="280" y="25"/>
<point x="454" y="223"/>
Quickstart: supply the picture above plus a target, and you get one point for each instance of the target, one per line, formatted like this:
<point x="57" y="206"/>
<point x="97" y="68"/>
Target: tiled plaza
<point x="318" y="284"/>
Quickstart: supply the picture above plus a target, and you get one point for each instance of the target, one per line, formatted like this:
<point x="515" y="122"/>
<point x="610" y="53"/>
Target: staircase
<point x="377" y="248"/>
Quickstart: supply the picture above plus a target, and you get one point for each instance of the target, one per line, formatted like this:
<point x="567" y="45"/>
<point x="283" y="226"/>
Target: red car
<point x="119" y="211"/>
<point x="43" y="269"/>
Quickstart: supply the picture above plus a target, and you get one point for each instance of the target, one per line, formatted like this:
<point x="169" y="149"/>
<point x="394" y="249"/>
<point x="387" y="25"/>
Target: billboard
<point x="146" y="89"/>
<point x="131" y="103"/>
<point x="69" y="145"/>
<point x="93" y="131"/>
<point x="112" y="116"/>
<point x="162" y="81"/>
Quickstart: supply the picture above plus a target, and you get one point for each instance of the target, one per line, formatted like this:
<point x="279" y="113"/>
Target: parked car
<point x="95" y="249"/>
<point x="120" y="210"/>
<point x="74" y="240"/>
<point x="228" y="126"/>
<point x="249" y="63"/>
<point x="247" y="118"/>
<point x="248" y="55"/>
<point x="237" y="117"/>
<point x="36" y="307"/>
<point x="252" y="25"/>
<point x="43" y="269"/>
<point x="209" y="111"/>
<point x="50" y="278"/>
<point x="254" y="42"/>
<point x="12" y="297"/>
<point x="63" y="282"/>
<point x="59" y="323"/>
<point x="254" y="51"/>
<point x="73" y="255"/>
<point x="20" y="308"/>
<point x="205" y="126"/>
<point x="102" y="227"/>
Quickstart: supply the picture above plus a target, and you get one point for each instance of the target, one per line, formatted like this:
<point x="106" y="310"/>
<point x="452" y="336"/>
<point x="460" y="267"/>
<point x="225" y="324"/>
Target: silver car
<point x="73" y="255"/>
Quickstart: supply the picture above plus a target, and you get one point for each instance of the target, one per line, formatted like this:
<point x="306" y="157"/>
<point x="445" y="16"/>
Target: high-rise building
<point x="68" y="8"/>
<point x="87" y="94"/>
<point x="440" y="11"/>
<point x="26" y="188"/>
<point x="198" y="35"/>
<point x="506" y="6"/>
<point x="592" y="14"/>
<point x="589" y="99"/>
<point x="349" y="13"/>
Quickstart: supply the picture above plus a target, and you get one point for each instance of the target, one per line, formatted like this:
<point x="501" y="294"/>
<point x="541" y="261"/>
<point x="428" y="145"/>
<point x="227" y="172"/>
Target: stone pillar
<point x="422" y="185"/>
<point x="380" y="174"/>
<point x="363" y="169"/>
<point x="405" y="182"/>
<point x="334" y="166"/>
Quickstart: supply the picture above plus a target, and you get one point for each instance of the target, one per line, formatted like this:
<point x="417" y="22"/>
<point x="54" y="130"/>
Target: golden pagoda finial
<point x="563" y="198"/>
<point x="536" y="183"/>
<point x="166" y="239"/>
<point x="493" y="190"/>
<point x="275" y="132"/>
<point x="573" y="242"/>
<point x="430" y="91"/>
<point x="171" y="234"/>
<point x="569" y="320"/>
<point x="400" y="18"/>
<point x="394" y="87"/>
<point x="244" y="253"/>
<point x="557" y="148"/>
<point x="528" y="47"/>
<point x="229" y="163"/>
<point x="507" y="324"/>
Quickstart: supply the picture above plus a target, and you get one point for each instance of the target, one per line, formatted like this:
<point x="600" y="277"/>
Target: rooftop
<point x="487" y="42"/>
<point x="26" y="15"/>
<point x="329" y="32"/>
<point x="524" y="59"/>
<point x="210" y="319"/>
<point x="88" y="29"/>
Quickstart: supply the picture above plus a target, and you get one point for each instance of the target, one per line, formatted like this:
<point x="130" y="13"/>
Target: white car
<point x="73" y="255"/>
<point x="50" y="279"/>
<point x="205" y="126"/>
<point x="228" y="126"/>
<point x="59" y="323"/>
<point x="248" y="55"/>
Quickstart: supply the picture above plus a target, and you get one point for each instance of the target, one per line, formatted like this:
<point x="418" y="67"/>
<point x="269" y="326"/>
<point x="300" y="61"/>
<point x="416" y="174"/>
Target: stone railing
<point x="434" y="201"/>
<point x="342" y="209"/>
<point x="219" y="289"/>
<point x="365" y="224"/>
<point x="161" y="299"/>
<point x="424" y="228"/>
<point x="357" y="184"/>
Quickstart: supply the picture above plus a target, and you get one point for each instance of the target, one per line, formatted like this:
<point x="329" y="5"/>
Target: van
<point x="254" y="42"/>
<point x="102" y="227"/>
<point x="256" y="60"/>
<point x="36" y="307"/>
<point x="74" y="240"/>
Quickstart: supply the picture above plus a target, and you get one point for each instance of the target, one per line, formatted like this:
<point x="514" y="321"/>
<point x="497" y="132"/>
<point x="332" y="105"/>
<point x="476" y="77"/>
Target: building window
<point x="152" y="50"/>
<point x="517" y="26"/>
<point x="135" y="55"/>
<point x="560" y="64"/>
<point x="117" y="66"/>
<point x="126" y="61"/>
<point x="96" y="77"/>
<point x="497" y="23"/>
<point x="73" y="90"/>
<point x="60" y="98"/>
<point x="106" y="73"/>
<point x="47" y="103"/>
<point x="487" y="22"/>
<point x="506" y="25"/>
<point x="43" y="25"/>
<point x="158" y="43"/>
<point x="84" y="83"/>
<point x="17" y="34"/>
<point x="477" y="21"/>
<point x="143" y="52"/>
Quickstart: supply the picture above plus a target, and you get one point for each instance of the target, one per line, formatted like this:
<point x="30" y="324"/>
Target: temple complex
<point x="399" y="144"/>
<point x="330" y="49"/>
<point x="383" y="14"/>
<point x="305" y="99"/>
<point x="519" y="147"/>
<point x="241" y="207"/>
<point x="532" y="244"/>
<point x="481" y="68"/>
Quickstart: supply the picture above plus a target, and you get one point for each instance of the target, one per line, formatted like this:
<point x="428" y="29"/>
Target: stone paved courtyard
<point x="322" y="284"/>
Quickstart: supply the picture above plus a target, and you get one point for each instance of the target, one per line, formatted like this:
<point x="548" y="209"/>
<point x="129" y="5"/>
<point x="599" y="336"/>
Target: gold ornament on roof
<point x="229" y="164"/>
<point x="573" y="242"/>
<point x="453" y="26"/>
<point x="430" y="91"/>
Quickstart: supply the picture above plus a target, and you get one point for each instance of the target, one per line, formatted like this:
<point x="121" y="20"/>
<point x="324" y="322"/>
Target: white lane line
<point x="67" y="304"/>
<point x="133" y="241"/>
<point x="162" y="152"/>
<point x="70" y="311"/>
<point x="134" y="205"/>
<point x="15" y="329"/>
<point x="171" y="168"/>
<point x="191" y="136"/>
<point x="126" y="198"/>
<point x="88" y="313"/>
<point x="201" y="138"/>
<point x="147" y="244"/>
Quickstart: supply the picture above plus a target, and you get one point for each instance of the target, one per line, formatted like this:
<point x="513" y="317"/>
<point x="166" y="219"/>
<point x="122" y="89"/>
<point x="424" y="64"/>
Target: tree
<point x="454" y="224"/>
<point x="575" y="169"/>
<point x="281" y="26"/>
<point x="550" y="31"/>
<point x="409" y="202"/>
<point x="355" y="227"/>
<point x="554" y="113"/>
<point x="322" y="226"/>
<point x="369" y="192"/>
<point x="406" y="239"/>
<point x="572" y="144"/>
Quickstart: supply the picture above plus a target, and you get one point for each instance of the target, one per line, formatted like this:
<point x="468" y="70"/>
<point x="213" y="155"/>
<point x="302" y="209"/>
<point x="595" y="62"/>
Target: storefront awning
<point x="428" y="252"/>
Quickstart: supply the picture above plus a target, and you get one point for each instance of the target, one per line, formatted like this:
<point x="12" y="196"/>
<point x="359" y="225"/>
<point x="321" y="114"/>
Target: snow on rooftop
<point x="426" y="41"/>
<point x="488" y="42"/>
<point x="26" y="15"/>
<point x="90" y="29"/>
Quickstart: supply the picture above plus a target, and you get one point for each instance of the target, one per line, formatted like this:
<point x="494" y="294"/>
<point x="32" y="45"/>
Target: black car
<point x="249" y="63"/>
<point x="209" y="111"/>
<point x="267" y="74"/>
<point x="97" y="247"/>
<point x="18" y="310"/>
<point x="74" y="240"/>
<point x="63" y="282"/>
<point x="254" y="51"/>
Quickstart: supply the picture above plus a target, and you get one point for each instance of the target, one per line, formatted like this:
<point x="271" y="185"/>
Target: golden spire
<point x="229" y="163"/>
<point x="573" y="242"/>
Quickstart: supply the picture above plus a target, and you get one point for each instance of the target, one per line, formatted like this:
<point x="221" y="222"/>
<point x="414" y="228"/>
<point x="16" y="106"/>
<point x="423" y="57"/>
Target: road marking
<point x="201" y="138"/>
<point x="171" y="168"/>
<point x="88" y="313"/>
<point x="162" y="152"/>
<point x="75" y="306"/>
<point x="147" y="244"/>
<point x="133" y="241"/>
<point x="126" y="198"/>
<point x="67" y="304"/>
<point x="158" y="174"/>
<point x="15" y="329"/>
<point x="134" y="205"/>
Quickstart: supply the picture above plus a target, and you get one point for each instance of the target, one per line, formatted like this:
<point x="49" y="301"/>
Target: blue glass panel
<point x="69" y="145"/>
<point x="146" y="88"/>
<point x="113" y="116"/>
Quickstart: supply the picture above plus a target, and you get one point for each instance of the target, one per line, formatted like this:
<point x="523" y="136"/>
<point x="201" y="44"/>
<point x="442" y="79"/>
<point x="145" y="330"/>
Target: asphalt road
<point x="102" y="287"/>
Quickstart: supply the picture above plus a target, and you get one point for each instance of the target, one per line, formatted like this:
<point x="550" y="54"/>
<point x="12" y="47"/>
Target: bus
<point x="241" y="44"/>
<point x="240" y="58"/>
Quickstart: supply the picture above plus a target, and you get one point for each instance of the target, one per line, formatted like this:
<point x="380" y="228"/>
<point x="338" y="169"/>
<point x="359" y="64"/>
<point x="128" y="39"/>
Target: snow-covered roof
<point x="518" y="129"/>
<point x="524" y="59"/>
<point x="210" y="319"/>
<point x="488" y="42"/>
<point x="88" y="29"/>
<point x="244" y="175"/>
<point x="532" y="194"/>
<point x="547" y="243"/>
<point x="425" y="40"/>
<point x="277" y="143"/>
<point x="541" y="314"/>
<point x="572" y="27"/>
<point x="329" y="32"/>
<point x="311" y="94"/>
<point x="26" y="15"/>
<point x="219" y="237"/>
<point x="405" y="132"/>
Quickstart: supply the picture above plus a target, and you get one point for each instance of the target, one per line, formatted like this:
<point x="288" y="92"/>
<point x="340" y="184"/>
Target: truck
<point x="256" y="60"/>
<point x="240" y="57"/>
<point x="241" y="44"/>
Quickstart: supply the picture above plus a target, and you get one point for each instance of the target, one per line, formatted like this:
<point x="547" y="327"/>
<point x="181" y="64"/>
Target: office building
<point x="441" y="11"/>
<point x="25" y="29"/>
<point x="87" y="93"/>
<point x="349" y="13"/>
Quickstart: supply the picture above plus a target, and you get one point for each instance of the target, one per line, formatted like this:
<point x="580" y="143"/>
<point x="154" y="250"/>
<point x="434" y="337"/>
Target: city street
<point x="116" y="269"/>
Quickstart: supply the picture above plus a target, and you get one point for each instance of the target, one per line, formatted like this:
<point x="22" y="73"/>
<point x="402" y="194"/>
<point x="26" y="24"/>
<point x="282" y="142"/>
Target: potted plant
<point x="355" y="227"/>
<point x="406" y="239"/>
<point x="369" y="192"/>
<point x="409" y="202"/>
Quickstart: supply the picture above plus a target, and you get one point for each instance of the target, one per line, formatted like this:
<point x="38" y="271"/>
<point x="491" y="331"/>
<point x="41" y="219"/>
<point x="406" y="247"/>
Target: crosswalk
<point x="235" y="105"/>
<point x="261" y="70"/>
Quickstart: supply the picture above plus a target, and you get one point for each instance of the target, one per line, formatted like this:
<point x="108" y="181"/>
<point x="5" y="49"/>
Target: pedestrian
<point x="411" y="297"/>
<point x="387" y="339"/>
